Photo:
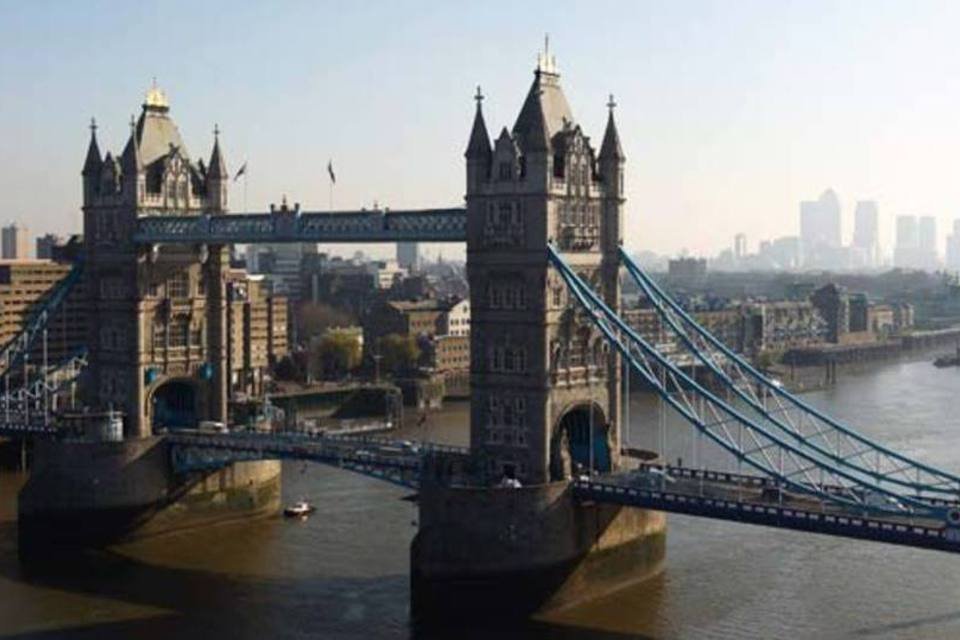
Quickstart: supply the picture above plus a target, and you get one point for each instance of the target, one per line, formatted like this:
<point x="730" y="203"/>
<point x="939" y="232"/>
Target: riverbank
<point x="803" y="379"/>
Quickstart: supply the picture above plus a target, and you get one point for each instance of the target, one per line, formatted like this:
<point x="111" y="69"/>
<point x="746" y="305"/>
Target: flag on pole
<point x="242" y="170"/>
<point x="333" y="177"/>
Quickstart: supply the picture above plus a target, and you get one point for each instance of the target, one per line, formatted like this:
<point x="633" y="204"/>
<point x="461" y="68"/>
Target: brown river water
<point x="343" y="572"/>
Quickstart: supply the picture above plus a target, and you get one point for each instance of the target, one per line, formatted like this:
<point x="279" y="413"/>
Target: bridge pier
<point x="501" y="554"/>
<point x="100" y="493"/>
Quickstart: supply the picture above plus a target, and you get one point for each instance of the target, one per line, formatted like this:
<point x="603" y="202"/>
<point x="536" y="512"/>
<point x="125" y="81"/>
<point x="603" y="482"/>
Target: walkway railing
<point x="420" y="225"/>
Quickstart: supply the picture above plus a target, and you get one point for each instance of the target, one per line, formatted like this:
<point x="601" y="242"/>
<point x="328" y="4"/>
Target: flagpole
<point x="331" y="180"/>
<point x="245" y="210"/>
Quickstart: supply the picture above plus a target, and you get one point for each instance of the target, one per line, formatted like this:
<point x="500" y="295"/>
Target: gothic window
<point x="112" y="288"/>
<point x="504" y="225"/>
<point x="508" y="359"/>
<point x="506" y="171"/>
<point x="155" y="178"/>
<point x="557" y="296"/>
<point x="196" y="336"/>
<point x="108" y="337"/>
<point x="159" y="333"/>
<point x="520" y="409"/>
<point x="179" y="329"/>
<point x="520" y="359"/>
<point x="494" y="411"/>
<point x="178" y="286"/>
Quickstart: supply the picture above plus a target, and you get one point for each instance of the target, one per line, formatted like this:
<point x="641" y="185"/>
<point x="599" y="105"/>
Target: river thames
<point x="343" y="572"/>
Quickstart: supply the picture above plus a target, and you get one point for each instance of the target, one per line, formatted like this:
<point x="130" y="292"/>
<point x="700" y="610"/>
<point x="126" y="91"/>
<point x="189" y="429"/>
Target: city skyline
<point x="885" y="112"/>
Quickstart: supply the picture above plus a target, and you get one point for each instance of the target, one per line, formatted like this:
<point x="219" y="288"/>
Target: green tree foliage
<point x="399" y="353"/>
<point x="315" y="318"/>
<point x="337" y="354"/>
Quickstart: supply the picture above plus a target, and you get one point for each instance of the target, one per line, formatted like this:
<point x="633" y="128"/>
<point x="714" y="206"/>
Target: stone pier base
<point x="495" y="554"/>
<point x="100" y="493"/>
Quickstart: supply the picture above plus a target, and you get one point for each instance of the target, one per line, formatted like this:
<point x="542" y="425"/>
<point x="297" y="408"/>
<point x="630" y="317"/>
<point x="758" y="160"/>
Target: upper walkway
<point x="290" y="225"/>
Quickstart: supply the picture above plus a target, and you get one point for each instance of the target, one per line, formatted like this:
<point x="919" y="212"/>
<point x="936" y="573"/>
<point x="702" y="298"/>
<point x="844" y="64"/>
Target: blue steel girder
<point x="380" y="458"/>
<point x="803" y="423"/>
<point x="646" y="359"/>
<point x="419" y="225"/>
<point x="900" y="531"/>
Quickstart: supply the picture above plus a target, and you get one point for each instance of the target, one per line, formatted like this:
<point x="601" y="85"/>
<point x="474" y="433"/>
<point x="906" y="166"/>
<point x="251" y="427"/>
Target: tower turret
<point x="610" y="168"/>
<point x="217" y="177"/>
<point x="91" y="166"/>
<point x="479" y="153"/>
<point x="131" y="166"/>
<point x="544" y="114"/>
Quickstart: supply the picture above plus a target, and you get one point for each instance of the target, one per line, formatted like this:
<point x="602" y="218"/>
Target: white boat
<point x="299" y="510"/>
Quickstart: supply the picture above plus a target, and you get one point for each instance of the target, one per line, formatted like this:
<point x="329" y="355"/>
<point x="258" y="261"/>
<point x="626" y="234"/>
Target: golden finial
<point x="156" y="98"/>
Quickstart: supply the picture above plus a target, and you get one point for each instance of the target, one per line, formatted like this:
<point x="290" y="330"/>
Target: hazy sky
<point x="730" y="112"/>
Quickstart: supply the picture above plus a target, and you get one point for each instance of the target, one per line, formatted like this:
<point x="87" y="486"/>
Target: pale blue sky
<point x="730" y="112"/>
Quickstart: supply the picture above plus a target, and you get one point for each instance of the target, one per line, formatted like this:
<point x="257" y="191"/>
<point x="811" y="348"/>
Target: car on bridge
<point x="213" y="426"/>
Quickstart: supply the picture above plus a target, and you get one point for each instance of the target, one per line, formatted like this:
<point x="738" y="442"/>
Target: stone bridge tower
<point x="157" y="336"/>
<point x="545" y="397"/>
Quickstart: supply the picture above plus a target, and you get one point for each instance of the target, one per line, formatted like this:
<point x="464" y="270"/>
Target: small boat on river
<point x="301" y="509"/>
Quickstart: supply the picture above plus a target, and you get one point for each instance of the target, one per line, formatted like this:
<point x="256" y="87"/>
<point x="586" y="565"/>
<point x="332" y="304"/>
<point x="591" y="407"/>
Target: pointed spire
<point x="218" y="166"/>
<point x="479" y="145"/>
<point x="610" y="148"/>
<point x="130" y="160"/>
<point x="531" y="129"/>
<point x="93" y="163"/>
<point x="544" y="110"/>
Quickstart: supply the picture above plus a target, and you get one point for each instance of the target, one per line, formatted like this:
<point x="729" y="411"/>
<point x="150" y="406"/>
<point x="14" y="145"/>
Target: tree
<point x="337" y="353"/>
<point x="315" y="318"/>
<point x="291" y="367"/>
<point x="399" y="353"/>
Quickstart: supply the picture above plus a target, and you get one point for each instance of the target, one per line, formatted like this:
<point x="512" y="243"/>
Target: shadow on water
<point x="194" y="603"/>
<point x="905" y="625"/>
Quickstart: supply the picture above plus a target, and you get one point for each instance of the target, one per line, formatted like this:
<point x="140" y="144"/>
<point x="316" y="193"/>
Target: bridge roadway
<point x="742" y="498"/>
<point x="287" y="225"/>
<point x="396" y="461"/>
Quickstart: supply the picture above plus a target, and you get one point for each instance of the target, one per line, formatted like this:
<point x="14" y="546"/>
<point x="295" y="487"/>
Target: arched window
<point x="179" y="331"/>
<point x="178" y="286"/>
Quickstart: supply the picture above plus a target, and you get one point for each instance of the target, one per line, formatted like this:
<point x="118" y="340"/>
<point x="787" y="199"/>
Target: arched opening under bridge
<point x="581" y="442"/>
<point x="174" y="406"/>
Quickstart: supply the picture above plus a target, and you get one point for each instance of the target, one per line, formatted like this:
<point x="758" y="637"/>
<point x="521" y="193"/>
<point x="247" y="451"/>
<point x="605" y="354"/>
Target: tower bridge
<point x="543" y="226"/>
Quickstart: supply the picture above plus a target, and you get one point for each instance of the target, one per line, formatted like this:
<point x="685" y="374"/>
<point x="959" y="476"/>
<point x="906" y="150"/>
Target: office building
<point x="14" y="244"/>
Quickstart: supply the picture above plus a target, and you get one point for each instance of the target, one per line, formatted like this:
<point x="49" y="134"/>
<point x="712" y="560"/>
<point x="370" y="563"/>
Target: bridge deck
<point x="420" y="225"/>
<point x="395" y="461"/>
<point x="724" y="498"/>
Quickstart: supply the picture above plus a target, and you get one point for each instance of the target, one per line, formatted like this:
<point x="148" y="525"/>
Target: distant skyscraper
<point x="906" y="253"/>
<point x="866" y="232"/>
<point x="927" y="234"/>
<point x="15" y="245"/>
<point x="820" y="229"/>
<point x="45" y="245"/>
<point x="927" y="238"/>
<point x="408" y="256"/>
<point x="953" y="247"/>
<point x="740" y="246"/>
